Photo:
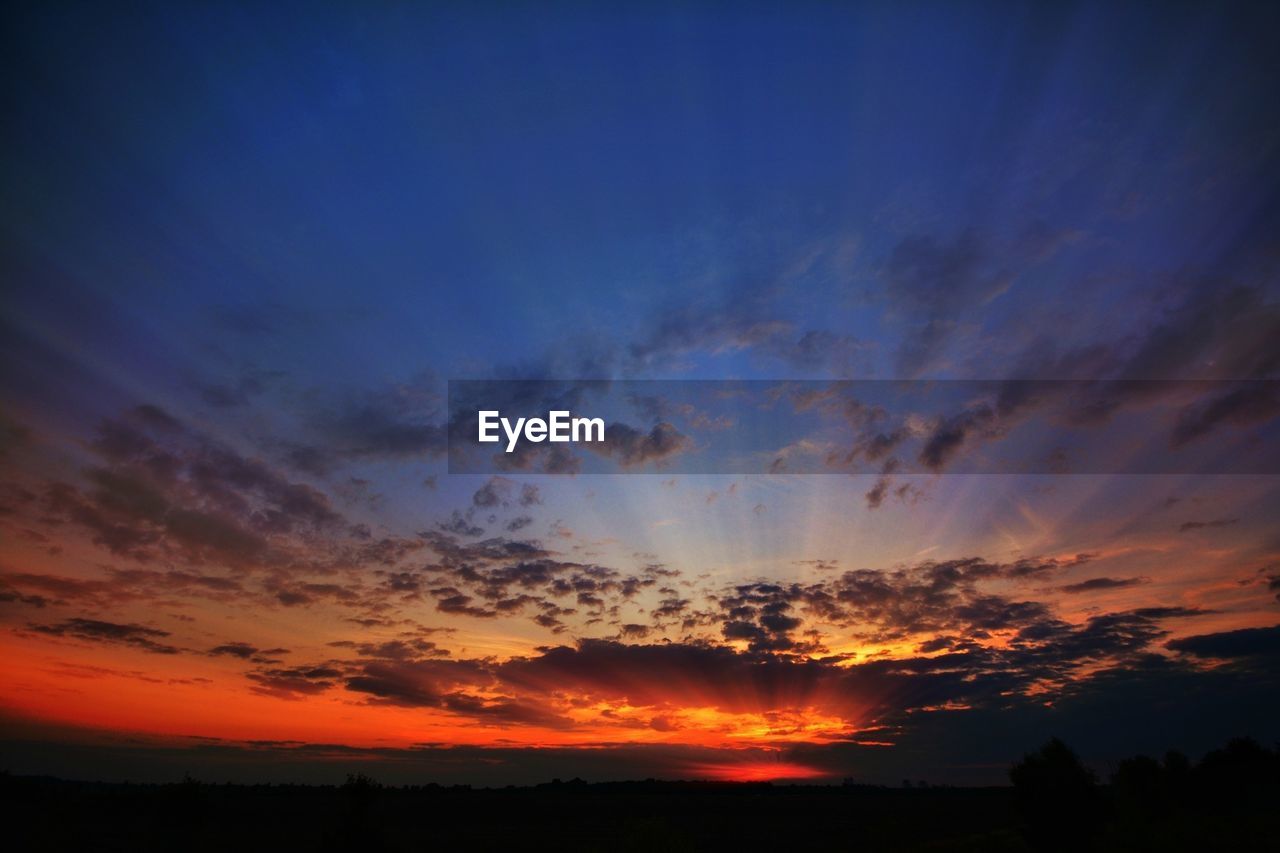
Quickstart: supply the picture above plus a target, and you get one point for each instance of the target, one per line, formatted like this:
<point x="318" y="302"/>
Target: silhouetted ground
<point x="1227" y="802"/>
<point x="621" y="817"/>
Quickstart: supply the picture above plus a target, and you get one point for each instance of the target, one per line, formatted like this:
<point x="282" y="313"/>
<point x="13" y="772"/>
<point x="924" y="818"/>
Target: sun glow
<point x="756" y="771"/>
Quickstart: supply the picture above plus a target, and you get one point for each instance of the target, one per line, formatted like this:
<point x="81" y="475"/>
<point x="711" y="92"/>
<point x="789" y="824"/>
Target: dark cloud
<point x="1207" y="525"/>
<point x="9" y="595"/>
<point x="949" y="435"/>
<point x="1241" y="643"/>
<point x="546" y="459"/>
<point x="506" y="577"/>
<point x="1205" y="364"/>
<point x="930" y="597"/>
<point x="948" y="277"/>
<point x="240" y="391"/>
<point x="398" y="650"/>
<point x="1096" y="584"/>
<point x="13" y="435"/>
<point x="292" y="593"/>
<point x="876" y="494"/>
<point x="294" y="683"/>
<point x="930" y="284"/>
<point x="824" y="351"/>
<point x="632" y="447"/>
<point x="1218" y="331"/>
<point x="165" y="491"/>
<point x="450" y="600"/>
<point x="459" y="524"/>
<point x="417" y="683"/>
<point x="500" y="492"/>
<point x="495" y="492"/>
<point x="1216" y="342"/>
<point x="404" y="421"/>
<point x="763" y="615"/>
<point x="95" y="630"/>
<point x="244" y="651"/>
<point x="644" y="675"/>
<point x="759" y="680"/>
<point x="1243" y="404"/>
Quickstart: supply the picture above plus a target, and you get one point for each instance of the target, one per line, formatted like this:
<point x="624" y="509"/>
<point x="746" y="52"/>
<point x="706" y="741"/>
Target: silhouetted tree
<point x="1176" y="764"/>
<point x="1241" y="768"/>
<point x="356" y="830"/>
<point x="359" y="791"/>
<point x="1057" y="797"/>
<point x="1140" y="783"/>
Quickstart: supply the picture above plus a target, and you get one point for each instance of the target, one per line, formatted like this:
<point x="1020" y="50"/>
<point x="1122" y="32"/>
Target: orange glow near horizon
<point x="756" y="771"/>
<point x="417" y="675"/>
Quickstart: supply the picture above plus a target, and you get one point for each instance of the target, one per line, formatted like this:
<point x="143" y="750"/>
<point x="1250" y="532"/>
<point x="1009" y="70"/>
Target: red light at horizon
<point x="756" y="771"/>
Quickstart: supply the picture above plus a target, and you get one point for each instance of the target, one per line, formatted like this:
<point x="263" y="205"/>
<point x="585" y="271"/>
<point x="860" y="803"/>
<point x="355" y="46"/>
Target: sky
<point x="981" y="301"/>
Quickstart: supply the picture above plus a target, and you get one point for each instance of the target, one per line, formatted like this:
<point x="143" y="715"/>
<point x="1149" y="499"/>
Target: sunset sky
<point x="245" y="252"/>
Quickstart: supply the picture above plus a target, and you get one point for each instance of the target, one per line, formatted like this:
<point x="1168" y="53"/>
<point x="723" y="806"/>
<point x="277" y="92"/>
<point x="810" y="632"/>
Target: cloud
<point x="13" y="436"/>
<point x="8" y="595"/>
<point x="165" y="491"/>
<point x="1219" y="331"/>
<point x="460" y="525"/>
<point x="948" y="717"/>
<point x="250" y="384"/>
<point x="294" y="683"/>
<point x="951" y="433"/>
<point x="244" y="651"/>
<point x="1241" y="643"/>
<point x="759" y="681"/>
<point x="1244" y="403"/>
<point x="161" y="493"/>
<point x="399" y="650"/>
<point x="632" y="447"/>
<point x="547" y="459"/>
<point x="929" y="597"/>
<point x="931" y="283"/>
<point x="1096" y="584"/>
<point x="1207" y="525"/>
<point x="826" y="351"/>
<point x="403" y="421"/>
<point x="876" y="494"/>
<point x="655" y="675"/>
<point x="677" y="331"/>
<point x="495" y="492"/>
<point x="416" y="683"/>
<point x="95" y="630"/>
<point x="762" y="614"/>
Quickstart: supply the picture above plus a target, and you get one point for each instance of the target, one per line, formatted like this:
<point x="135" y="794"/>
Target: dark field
<point x="47" y="814"/>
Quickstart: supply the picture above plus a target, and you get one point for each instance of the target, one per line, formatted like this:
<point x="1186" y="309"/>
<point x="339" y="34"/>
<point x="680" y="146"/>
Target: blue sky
<point x="469" y="191"/>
